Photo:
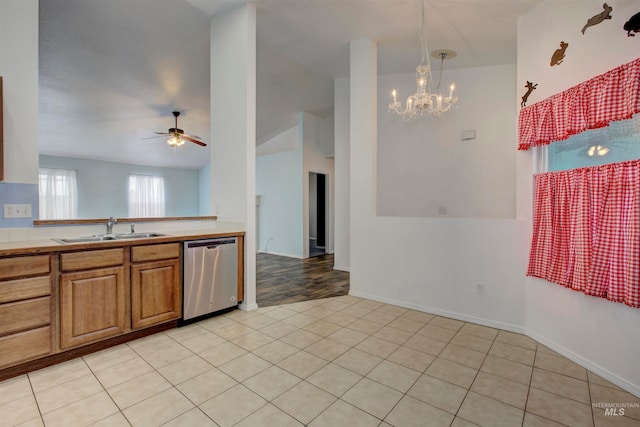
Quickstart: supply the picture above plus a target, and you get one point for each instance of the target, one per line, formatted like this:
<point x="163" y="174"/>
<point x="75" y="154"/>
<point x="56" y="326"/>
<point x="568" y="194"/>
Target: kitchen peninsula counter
<point x="62" y="300"/>
<point x="39" y="246"/>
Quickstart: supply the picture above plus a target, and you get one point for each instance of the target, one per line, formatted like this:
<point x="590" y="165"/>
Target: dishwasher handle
<point x="210" y="243"/>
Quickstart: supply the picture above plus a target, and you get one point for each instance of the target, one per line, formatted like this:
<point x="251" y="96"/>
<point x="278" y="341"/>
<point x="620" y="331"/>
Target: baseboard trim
<point x="585" y="363"/>
<point x="438" y="312"/>
<point x="247" y="307"/>
<point x="281" y="254"/>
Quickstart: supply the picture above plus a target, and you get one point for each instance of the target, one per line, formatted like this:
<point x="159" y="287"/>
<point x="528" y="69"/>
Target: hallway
<point x="284" y="280"/>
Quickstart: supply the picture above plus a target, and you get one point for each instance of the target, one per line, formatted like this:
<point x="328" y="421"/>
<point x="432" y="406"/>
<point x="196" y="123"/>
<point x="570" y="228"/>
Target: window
<point x="58" y="194"/>
<point x="146" y="196"/>
<point x="586" y="214"/>
<point x="618" y="142"/>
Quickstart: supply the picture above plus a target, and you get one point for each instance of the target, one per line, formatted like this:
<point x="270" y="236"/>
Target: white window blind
<point x="146" y="196"/>
<point x="58" y="194"/>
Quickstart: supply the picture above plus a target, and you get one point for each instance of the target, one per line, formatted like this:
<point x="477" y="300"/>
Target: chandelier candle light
<point x="425" y="101"/>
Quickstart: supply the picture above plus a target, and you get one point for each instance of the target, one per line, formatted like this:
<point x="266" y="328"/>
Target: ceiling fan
<point x="177" y="137"/>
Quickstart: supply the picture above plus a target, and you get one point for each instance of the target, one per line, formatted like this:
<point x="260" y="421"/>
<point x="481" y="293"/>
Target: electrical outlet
<point x="442" y="210"/>
<point x="480" y="289"/>
<point x="14" y="210"/>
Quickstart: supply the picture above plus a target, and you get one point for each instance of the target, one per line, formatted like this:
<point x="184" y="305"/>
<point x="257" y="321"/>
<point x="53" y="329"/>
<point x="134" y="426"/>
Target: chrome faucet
<point x="110" y="223"/>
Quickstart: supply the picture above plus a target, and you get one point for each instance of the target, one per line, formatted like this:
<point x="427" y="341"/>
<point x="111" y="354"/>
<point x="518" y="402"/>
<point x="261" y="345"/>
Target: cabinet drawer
<point x="24" y="266"/>
<point x="91" y="259"/>
<point x="16" y="290"/>
<point x="24" y="346"/>
<point x="154" y="252"/>
<point x="21" y="315"/>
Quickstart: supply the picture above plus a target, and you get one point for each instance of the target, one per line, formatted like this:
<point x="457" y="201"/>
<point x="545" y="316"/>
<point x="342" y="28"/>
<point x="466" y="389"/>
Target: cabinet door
<point x="155" y="292"/>
<point x="92" y="306"/>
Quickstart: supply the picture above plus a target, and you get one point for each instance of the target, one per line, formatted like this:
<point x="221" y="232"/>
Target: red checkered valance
<point x="614" y="95"/>
<point x="586" y="230"/>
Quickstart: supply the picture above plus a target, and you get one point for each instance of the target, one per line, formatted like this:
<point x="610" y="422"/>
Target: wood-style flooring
<point x="283" y="280"/>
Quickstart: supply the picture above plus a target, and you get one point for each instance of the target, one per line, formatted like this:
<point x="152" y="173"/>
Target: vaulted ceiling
<point x="112" y="71"/>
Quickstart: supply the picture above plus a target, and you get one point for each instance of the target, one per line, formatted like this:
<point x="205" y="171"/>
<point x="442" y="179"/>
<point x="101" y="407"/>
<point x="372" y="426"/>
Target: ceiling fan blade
<point x="192" y="136"/>
<point x="159" y="136"/>
<point x="195" y="141"/>
<point x="163" y="133"/>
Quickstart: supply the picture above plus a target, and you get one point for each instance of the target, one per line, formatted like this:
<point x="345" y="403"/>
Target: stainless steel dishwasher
<point x="210" y="276"/>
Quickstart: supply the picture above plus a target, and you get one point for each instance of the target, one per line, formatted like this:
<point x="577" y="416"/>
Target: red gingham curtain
<point x="586" y="230"/>
<point x="614" y="95"/>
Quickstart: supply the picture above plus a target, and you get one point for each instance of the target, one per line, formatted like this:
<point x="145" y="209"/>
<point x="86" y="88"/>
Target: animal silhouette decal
<point x="558" y="55"/>
<point x="632" y="25"/>
<point x="530" y="88"/>
<point x="597" y="19"/>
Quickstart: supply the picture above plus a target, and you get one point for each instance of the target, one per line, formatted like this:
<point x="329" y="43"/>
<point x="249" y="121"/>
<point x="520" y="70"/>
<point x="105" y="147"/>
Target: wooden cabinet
<point x="25" y="308"/>
<point x="62" y="303"/>
<point x="156" y="295"/>
<point x="93" y="300"/>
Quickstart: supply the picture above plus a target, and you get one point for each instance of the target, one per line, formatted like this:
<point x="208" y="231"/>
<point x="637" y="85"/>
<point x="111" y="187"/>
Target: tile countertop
<point x="43" y="245"/>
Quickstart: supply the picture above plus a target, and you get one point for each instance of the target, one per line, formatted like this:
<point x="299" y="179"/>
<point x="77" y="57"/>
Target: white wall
<point x="432" y="165"/>
<point x="279" y="183"/>
<point x="19" y="68"/>
<point x="600" y="334"/>
<point x="285" y="141"/>
<point x="435" y="264"/>
<point x="283" y="186"/>
<point x="204" y="191"/>
<point x="342" y="183"/>
<point x="326" y="136"/>
<point x="315" y="151"/>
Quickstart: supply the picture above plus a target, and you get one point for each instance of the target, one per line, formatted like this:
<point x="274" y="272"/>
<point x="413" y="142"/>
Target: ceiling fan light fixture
<point x="177" y="137"/>
<point x="175" y="141"/>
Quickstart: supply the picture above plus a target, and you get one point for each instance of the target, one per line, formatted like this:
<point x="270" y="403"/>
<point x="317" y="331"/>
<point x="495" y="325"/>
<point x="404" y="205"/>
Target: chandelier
<point x="425" y="101"/>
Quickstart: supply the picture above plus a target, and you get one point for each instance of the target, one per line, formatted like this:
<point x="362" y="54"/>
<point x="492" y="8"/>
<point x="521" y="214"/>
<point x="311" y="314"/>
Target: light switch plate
<point x="15" y="210"/>
<point x="468" y="135"/>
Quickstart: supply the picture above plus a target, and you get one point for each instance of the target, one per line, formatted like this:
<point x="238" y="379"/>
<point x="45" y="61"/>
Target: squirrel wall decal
<point x="558" y="55"/>
<point x="632" y="25"/>
<point x="530" y="88"/>
<point x="596" y="19"/>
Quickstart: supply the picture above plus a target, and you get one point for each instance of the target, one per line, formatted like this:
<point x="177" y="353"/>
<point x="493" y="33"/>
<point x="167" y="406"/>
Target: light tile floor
<point x="341" y="361"/>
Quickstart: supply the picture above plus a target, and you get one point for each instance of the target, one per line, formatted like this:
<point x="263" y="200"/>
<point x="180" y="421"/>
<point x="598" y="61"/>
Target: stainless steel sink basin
<point x="107" y="237"/>
<point x="86" y="239"/>
<point x="136" y="235"/>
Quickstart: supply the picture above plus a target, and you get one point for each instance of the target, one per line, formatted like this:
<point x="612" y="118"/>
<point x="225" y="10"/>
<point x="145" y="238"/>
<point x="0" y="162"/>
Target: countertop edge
<point x="43" y="246"/>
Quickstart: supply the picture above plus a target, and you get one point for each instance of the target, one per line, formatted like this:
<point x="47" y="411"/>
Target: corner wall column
<point x="363" y="139"/>
<point x="233" y="129"/>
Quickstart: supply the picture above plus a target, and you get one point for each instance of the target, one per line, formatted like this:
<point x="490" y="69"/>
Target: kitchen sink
<point x="136" y="235"/>
<point x="85" y="239"/>
<point x="108" y="237"/>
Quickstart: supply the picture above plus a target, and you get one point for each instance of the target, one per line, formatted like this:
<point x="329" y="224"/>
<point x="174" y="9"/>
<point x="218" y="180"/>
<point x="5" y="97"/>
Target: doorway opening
<point x="317" y="214"/>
